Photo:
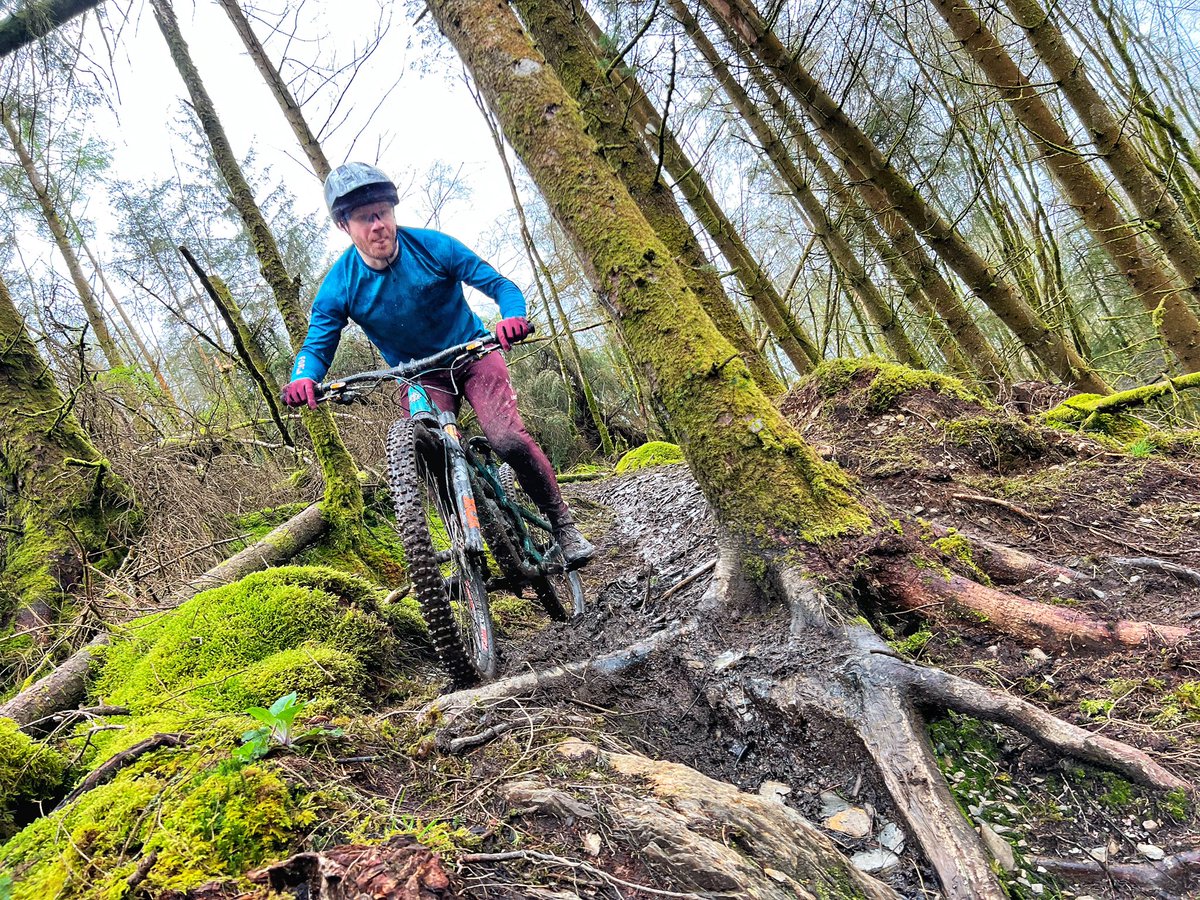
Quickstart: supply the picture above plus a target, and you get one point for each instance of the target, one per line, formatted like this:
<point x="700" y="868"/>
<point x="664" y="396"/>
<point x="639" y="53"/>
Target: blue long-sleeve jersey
<point x="412" y="309"/>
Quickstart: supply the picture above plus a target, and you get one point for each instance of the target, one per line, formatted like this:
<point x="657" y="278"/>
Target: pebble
<point x="832" y="803"/>
<point x="774" y="790"/>
<point x="1150" y="825"/>
<point x="852" y="822"/>
<point x="727" y="659"/>
<point x="998" y="847"/>
<point x="1099" y="854"/>
<point x="875" y="860"/>
<point x="1151" y="852"/>
<point x="591" y="844"/>
<point x="892" y="838"/>
<point x="1038" y="656"/>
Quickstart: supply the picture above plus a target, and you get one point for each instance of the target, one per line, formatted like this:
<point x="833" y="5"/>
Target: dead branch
<point x="108" y="770"/>
<point x="61" y="689"/>
<point x="1169" y="878"/>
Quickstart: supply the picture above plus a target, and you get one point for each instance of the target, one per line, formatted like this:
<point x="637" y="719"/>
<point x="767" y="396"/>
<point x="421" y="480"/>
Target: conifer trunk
<point x="984" y="279"/>
<point x="568" y="49"/>
<point x="91" y="306"/>
<point x="835" y="243"/>
<point x="343" y="496"/>
<point x="1087" y="194"/>
<point x="796" y="343"/>
<point x="1160" y="213"/>
<point x="36" y="20"/>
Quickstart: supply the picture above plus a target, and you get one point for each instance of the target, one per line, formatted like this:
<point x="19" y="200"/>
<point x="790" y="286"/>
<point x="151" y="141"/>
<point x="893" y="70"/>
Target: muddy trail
<point x="1128" y="526"/>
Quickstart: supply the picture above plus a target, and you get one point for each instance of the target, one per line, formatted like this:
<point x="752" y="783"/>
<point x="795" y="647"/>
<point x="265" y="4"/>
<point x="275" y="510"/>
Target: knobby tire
<point x="463" y="641"/>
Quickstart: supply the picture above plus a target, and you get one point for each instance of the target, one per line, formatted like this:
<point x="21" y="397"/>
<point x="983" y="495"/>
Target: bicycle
<point x="456" y="495"/>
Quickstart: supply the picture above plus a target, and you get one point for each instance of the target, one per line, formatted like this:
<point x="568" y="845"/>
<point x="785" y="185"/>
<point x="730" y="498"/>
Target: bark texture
<point x="36" y="20"/>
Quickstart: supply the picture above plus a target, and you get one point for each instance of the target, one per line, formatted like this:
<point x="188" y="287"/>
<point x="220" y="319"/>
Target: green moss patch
<point x="29" y="771"/>
<point x="883" y="383"/>
<point x="653" y="453"/>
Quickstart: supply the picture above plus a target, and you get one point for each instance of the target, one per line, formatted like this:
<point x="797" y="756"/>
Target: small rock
<point x="574" y="748"/>
<point x="1134" y="579"/>
<point x="1000" y="849"/>
<point x="1151" y="852"/>
<point x="727" y="659"/>
<point x="852" y="822"/>
<point x="695" y="664"/>
<point x="1037" y="888"/>
<point x="993" y="650"/>
<point x="831" y="803"/>
<point x="1150" y="825"/>
<point x="591" y="844"/>
<point x="892" y="838"/>
<point x="1113" y="847"/>
<point x="1099" y="854"/>
<point x="774" y="790"/>
<point x="1063" y="579"/>
<point x="875" y="860"/>
<point x="1038" y="656"/>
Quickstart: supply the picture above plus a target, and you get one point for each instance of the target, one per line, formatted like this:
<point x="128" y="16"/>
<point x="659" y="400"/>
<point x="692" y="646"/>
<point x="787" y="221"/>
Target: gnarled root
<point x="939" y="595"/>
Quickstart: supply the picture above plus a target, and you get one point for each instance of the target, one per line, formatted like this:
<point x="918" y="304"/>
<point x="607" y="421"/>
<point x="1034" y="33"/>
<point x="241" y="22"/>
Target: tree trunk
<point x="35" y="20"/>
<point x="1087" y="194"/>
<point x="66" y="509"/>
<point x="1161" y="215"/>
<point x="797" y="345"/>
<point x="247" y="347"/>
<point x="343" y="496"/>
<point x="835" y="243"/>
<point x="291" y="109"/>
<point x="984" y="279"/>
<point x="91" y="306"/>
<point x="569" y="49"/>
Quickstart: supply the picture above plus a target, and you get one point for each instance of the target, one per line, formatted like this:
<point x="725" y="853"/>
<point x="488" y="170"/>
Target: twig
<point x="143" y="869"/>
<point x="996" y="501"/>
<point x="1183" y="573"/>
<point x="61" y="718"/>
<point x="112" y="766"/>
<point x="534" y="855"/>
<point x="696" y="573"/>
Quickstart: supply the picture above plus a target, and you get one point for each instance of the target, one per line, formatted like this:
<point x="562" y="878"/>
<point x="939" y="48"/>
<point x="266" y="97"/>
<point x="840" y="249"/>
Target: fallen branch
<point x="550" y="859"/>
<point x="1149" y="563"/>
<point x="1003" y="504"/>
<point x="66" y="685"/>
<point x="696" y="573"/>
<point x="948" y="596"/>
<point x="1168" y="878"/>
<point x="108" y="770"/>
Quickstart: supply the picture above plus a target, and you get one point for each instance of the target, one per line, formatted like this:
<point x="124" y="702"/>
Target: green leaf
<point x="283" y="703"/>
<point x="263" y="715"/>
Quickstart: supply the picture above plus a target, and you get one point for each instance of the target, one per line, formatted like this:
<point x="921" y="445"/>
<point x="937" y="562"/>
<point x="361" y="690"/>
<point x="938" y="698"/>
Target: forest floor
<point x="1061" y="496"/>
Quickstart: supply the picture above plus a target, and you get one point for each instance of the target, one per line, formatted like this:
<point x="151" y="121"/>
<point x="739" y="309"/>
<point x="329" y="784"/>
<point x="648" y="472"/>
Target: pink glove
<point x="301" y="391"/>
<point x="513" y="331"/>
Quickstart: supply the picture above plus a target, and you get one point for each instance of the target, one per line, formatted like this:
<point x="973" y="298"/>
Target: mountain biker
<point x="403" y="287"/>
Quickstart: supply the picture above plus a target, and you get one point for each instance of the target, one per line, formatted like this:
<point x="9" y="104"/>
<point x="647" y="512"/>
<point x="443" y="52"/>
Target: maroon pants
<point x="485" y="384"/>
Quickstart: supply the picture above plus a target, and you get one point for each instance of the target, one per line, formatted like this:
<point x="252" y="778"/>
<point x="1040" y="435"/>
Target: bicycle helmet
<point x="356" y="184"/>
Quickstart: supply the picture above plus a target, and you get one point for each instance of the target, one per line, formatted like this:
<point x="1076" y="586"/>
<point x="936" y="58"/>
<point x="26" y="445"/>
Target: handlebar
<point x="332" y="390"/>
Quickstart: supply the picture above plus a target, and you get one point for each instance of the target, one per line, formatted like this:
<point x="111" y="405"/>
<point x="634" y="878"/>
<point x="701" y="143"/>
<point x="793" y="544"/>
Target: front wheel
<point x="449" y="581"/>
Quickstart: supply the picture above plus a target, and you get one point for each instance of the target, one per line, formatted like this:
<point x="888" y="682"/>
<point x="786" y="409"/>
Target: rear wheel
<point x="449" y="581"/>
<point x="560" y="595"/>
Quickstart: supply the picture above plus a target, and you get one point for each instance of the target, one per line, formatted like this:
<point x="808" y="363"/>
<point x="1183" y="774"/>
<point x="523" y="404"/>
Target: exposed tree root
<point x="1169" y="878"/>
<point x="1007" y="565"/>
<point x="114" y="764"/>
<point x="949" y="596"/>
<point x="763" y="848"/>
<point x="400" y="868"/>
<point x="66" y="686"/>
<point x="1149" y="563"/>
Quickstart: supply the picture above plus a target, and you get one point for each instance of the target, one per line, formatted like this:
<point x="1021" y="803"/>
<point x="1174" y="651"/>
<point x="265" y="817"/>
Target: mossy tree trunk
<point x="1153" y="285"/>
<point x="795" y="517"/>
<point x="851" y="143"/>
<point x="65" y="508"/>
<point x="58" y="230"/>
<point x="795" y="342"/>
<point x="36" y="20"/>
<point x="626" y="152"/>
<point x="343" y="496"/>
